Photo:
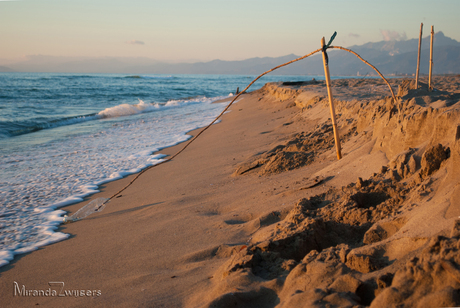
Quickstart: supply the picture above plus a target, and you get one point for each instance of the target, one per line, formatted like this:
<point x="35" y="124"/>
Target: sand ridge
<point x="359" y="244"/>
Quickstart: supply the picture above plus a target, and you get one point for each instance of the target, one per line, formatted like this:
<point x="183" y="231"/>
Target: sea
<point x="64" y="135"/>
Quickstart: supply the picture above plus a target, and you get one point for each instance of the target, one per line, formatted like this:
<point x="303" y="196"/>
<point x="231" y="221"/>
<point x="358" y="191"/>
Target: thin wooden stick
<point x="431" y="59"/>
<point x="375" y="69"/>
<point x="418" y="58"/>
<point x="331" y="102"/>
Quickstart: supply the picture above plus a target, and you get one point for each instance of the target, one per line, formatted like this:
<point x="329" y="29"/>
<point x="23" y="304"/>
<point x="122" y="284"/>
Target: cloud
<point x="135" y="42"/>
<point x="389" y="35"/>
<point x="354" y="35"/>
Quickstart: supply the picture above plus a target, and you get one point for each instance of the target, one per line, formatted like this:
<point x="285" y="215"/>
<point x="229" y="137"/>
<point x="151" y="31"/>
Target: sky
<point x="203" y="30"/>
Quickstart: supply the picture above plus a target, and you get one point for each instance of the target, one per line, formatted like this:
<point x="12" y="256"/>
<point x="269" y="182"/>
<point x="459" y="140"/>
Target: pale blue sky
<point x="177" y="30"/>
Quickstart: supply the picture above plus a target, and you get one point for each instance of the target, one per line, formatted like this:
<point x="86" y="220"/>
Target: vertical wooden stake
<point x="331" y="103"/>
<point x="418" y="58"/>
<point x="431" y="59"/>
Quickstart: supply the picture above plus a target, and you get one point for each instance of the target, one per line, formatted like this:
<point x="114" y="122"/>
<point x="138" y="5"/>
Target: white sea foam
<point x="6" y="256"/>
<point x="142" y="107"/>
<point x="127" y="109"/>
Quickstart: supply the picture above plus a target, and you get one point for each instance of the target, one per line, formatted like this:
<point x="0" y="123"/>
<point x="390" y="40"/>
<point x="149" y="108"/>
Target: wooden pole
<point x="431" y="59"/>
<point x="418" y="58"/>
<point x="331" y="103"/>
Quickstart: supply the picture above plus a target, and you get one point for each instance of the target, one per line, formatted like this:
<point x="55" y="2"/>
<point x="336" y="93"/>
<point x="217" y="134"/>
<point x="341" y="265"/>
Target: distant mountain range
<point x="5" y="69"/>
<point x="390" y="57"/>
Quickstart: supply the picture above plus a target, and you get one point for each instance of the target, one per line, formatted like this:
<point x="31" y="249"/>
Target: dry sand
<point x="258" y="212"/>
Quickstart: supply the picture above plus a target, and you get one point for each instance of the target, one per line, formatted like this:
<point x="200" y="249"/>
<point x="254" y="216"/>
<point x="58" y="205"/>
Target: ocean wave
<point x="149" y="77"/>
<point x="10" y="129"/>
<point x="127" y="109"/>
<point x="133" y="76"/>
<point x="143" y="107"/>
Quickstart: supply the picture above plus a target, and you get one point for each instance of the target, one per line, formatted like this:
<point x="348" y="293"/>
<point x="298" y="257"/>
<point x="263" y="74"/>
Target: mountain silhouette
<point x="390" y="57"/>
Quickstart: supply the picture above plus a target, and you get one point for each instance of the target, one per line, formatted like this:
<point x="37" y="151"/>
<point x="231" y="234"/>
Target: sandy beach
<point x="258" y="211"/>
